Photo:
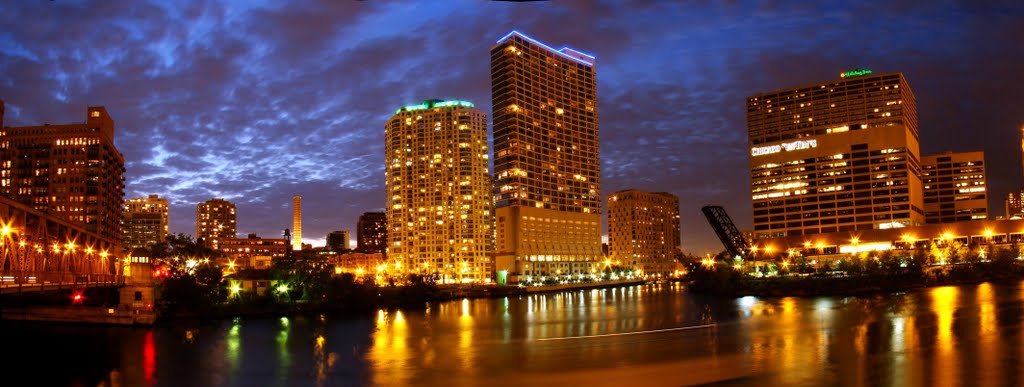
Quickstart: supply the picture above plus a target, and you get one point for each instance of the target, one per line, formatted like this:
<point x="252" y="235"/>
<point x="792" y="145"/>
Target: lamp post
<point x="88" y="260"/>
<point x="103" y="262"/>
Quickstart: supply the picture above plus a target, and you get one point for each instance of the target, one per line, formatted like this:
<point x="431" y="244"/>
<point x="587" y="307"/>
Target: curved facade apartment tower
<point x="439" y="205"/>
<point x="546" y="161"/>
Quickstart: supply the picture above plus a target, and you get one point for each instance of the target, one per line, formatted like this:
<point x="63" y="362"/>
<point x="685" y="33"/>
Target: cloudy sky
<point x="256" y="101"/>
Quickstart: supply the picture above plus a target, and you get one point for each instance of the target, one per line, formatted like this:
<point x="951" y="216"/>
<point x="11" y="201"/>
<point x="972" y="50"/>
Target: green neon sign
<point x="434" y="103"/>
<point x="854" y="73"/>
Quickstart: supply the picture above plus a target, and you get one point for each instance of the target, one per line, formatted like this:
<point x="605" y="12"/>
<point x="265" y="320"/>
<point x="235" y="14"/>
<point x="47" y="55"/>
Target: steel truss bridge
<point x="727" y="232"/>
<point x="39" y="252"/>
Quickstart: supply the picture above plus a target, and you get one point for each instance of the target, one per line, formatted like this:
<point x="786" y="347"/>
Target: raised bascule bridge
<point x="731" y="237"/>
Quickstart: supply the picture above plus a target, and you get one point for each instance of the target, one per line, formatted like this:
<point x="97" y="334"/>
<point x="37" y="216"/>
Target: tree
<point x="183" y="247"/>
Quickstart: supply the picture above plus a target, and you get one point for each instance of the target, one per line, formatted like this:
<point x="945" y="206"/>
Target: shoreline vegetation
<point x="362" y="301"/>
<point x="191" y="285"/>
<point x="857" y="274"/>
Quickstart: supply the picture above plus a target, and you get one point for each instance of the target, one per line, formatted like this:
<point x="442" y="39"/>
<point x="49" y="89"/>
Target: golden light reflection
<point x="944" y="304"/>
<point x="792" y="353"/>
<point x="324" y="360"/>
<point x="989" y="343"/>
<point x="390" y="346"/>
<point x="466" y="354"/>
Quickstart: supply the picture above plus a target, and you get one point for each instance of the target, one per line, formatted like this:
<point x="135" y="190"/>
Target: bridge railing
<point x="33" y="281"/>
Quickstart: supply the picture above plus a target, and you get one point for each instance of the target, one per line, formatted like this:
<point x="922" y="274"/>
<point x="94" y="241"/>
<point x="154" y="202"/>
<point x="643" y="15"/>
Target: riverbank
<point x="77" y="314"/>
<point x="581" y="286"/>
<point x="850" y="285"/>
<point x="399" y="297"/>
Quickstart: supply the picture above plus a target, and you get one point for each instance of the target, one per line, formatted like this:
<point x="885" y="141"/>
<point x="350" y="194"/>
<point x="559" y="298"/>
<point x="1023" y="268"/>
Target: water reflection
<point x="643" y="335"/>
<point x="944" y="304"/>
<point x="284" y="356"/>
<point x="149" y="358"/>
<point x="232" y="353"/>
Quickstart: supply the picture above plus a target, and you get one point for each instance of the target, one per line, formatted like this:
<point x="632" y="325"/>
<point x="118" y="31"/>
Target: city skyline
<point x="208" y="105"/>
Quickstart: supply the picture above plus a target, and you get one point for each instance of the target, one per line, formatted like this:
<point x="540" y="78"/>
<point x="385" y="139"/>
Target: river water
<point x="656" y="335"/>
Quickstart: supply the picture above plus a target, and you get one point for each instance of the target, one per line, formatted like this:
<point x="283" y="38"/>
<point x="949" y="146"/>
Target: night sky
<point x="257" y="102"/>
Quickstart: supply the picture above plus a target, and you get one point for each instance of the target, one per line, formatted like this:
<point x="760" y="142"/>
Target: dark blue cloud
<point x="258" y="101"/>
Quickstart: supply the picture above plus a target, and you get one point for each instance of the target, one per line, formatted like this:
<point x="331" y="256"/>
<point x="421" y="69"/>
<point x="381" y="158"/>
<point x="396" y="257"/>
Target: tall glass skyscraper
<point x="439" y="204"/>
<point x="546" y="160"/>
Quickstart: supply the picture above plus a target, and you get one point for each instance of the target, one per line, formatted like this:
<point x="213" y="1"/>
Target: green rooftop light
<point x="854" y="73"/>
<point x="434" y="103"/>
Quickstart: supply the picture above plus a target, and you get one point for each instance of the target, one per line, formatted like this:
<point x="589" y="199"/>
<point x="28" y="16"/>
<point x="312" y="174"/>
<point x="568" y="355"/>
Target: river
<point x="656" y="335"/>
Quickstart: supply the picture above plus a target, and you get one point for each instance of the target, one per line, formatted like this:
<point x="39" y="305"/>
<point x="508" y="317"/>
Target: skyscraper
<point x="215" y="220"/>
<point x="145" y="221"/>
<point x="954" y="187"/>
<point x="71" y="171"/>
<point x="439" y="191"/>
<point x="296" y="223"/>
<point x="372" y="232"/>
<point x="546" y="160"/>
<point x="836" y="156"/>
<point x="643" y="230"/>
<point x="338" y="240"/>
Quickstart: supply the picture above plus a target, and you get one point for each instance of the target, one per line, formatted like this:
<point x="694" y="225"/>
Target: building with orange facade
<point x="70" y="171"/>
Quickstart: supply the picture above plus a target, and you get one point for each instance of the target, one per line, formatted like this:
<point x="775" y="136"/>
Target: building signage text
<point x="789" y="146"/>
<point x="854" y="73"/>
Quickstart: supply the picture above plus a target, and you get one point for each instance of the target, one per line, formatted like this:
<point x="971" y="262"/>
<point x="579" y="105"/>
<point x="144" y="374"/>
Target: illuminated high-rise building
<point x="1014" y="203"/>
<point x="338" y="240"/>
<point x="439" y="205"/>
<point x="145" y="221"/>
<point x="215" y="220"/>
<point x="643" y="230"/>
<point x="546" y="161"/>
<point x="296" y="223"/>
<point x="836" y="156"/>
<point x="954" y="187"/>
<point x="372" y="232"/>
<point x="70" y="171"/>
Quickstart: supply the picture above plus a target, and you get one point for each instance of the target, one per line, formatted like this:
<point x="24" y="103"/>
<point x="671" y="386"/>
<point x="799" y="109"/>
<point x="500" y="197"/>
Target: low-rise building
<point x="357" y="263"/>
<point x="252" y="252"/>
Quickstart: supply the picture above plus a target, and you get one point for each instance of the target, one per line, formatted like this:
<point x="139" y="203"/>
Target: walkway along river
<point x="638" y="335"/>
